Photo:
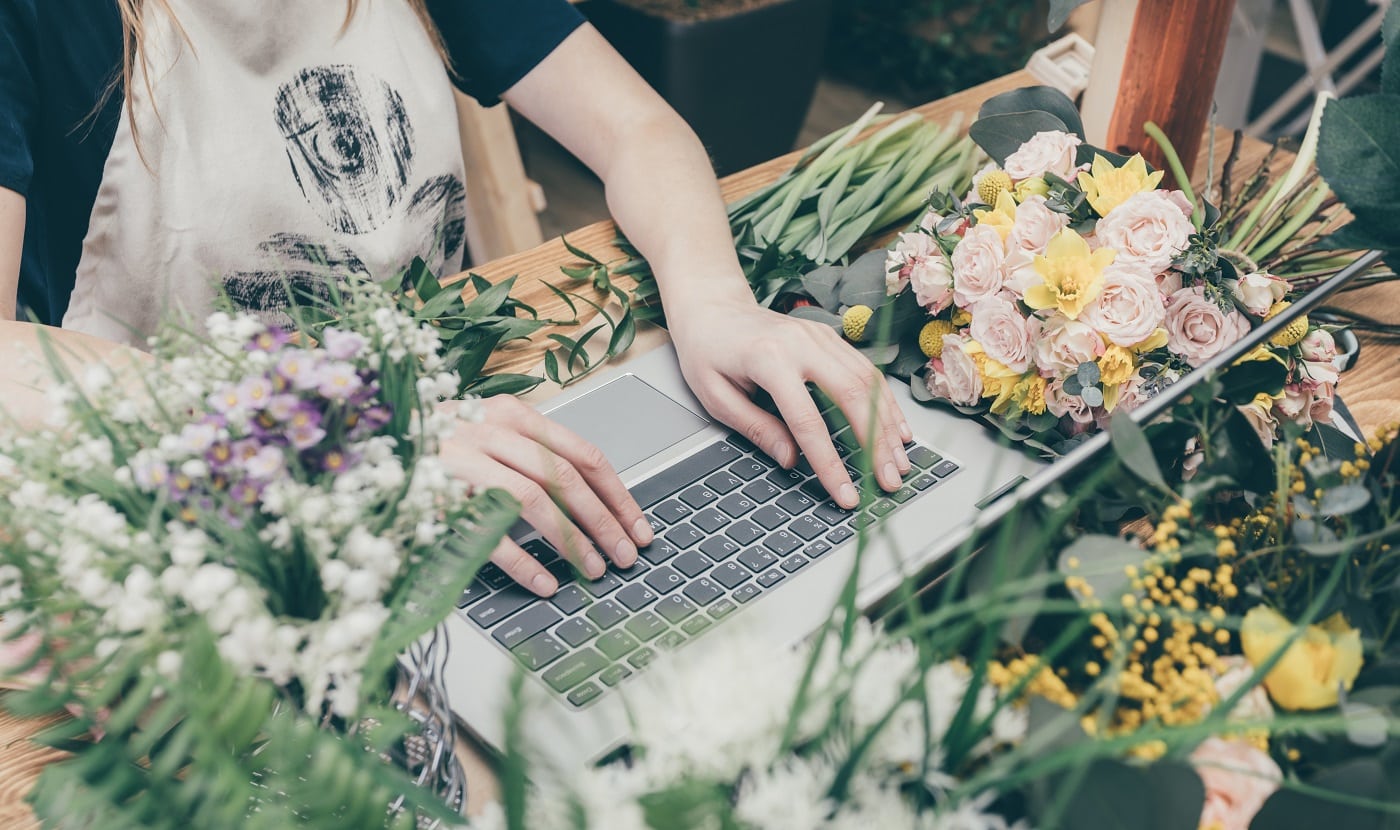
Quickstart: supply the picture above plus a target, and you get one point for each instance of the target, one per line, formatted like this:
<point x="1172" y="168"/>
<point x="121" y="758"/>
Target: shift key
<point x="526" y="624"/>
<point x="497" y="607"/>
<point x="574" y="669"/>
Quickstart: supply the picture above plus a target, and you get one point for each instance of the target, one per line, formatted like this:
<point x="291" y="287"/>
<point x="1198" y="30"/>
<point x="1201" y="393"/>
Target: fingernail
<point x="625" y="555"/>
<point x="641" y="531"/>
<point x="781" y="454"/>
<point x="891" y="474"/>
<point x="849" y="496"/>
<point x="905" y="432"/>
<point x="544" y="585"/>
<point x="903" y="458"/>
<point x="594" y="566"/>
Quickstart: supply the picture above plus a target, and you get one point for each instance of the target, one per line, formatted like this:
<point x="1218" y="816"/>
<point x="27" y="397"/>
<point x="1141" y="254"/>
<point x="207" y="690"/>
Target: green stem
<point x="1174" y="162"/>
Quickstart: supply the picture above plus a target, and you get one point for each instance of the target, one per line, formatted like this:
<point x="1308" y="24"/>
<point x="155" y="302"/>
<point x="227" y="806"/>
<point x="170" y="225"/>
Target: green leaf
<point x="1133" y="448"/>
<point x="1239" y="384"/>
<point x="586" y="257"/>
<point x="1163" y="796"/>
<point x="816" y="315"/>
<point x="1358" y="155"/>
<point x="823" y="284"/>
<point x="1045" y="99"/>
<point x="863" y="282"/>
<point x="439" y="304"/>
<point x="504" y="384"/>
<point x="490" y="300"/>
<point x="1101" y="563"/>
<point x="1343" y="500"/>
<point x="1001" y="135"/>
<point x="1390" y="31"/>
<point x="1060" y="10"/>
<point x="1341" y="796"/>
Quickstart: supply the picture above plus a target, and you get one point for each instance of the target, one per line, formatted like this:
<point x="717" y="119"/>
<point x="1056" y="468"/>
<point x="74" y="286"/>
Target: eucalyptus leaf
<point x="1163" y="796"/>
<point x="1343" y="500"/>
<point x="1390" y="32"/>
<point x="1133" y="448"/>
<point x="1001" y="135"/>
<point x="816" y="315"/>
<point x="863" y="282"/>
<point x="1358" y="155"/>
<point x="880" y="355"/>
<point x="1092" y="395"/>
<point x="1101" y="561"/>
<point x="823" y="284"/>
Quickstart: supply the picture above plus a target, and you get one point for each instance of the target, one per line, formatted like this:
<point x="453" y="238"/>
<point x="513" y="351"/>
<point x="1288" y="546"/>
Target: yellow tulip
<point x="1107" y="186"/>
<point x="1072" y="274"/>
<point x="1324" y="658"/>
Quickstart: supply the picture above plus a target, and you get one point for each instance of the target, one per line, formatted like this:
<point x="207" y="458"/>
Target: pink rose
<point x="1259" y="292"/>
<point x="1050" y="151"/>
<point x="1169" y="282"/>
<point x="1238" y="779"/>
<point x="998" y="325"/>
<point x="1036" y="224"/>
<point x="1061" y="344"/>
<point x="1319" y="346"/>
<point x="1261" y="417"/>
<point x="954" y="375"/>
<point x="979" y="266"/>
<point x="1060" y="404"/>
<point x="1149" y="229"/>
<point x="918" y="261"/>
<point x="1296" y="404"/>
<point x="1197" y="329"/>
<point x="1321" y="409"/>
<point x="1129" y="307"/>
<point x="1253" y="706"/>
<point x="1020" y="272"/>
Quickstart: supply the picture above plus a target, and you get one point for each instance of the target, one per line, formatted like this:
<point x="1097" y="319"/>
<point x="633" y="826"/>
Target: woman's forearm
<point x="27" y="371"/>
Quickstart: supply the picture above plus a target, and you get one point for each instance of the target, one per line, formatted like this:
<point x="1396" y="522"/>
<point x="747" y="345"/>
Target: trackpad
<point x="628" y="420"/>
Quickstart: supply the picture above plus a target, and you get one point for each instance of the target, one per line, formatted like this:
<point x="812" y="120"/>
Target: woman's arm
<point x="661" y="189"/>
<point x="11" y="242"/>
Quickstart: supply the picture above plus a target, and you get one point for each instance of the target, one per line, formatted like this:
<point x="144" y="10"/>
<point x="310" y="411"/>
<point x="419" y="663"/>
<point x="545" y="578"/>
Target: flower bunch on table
<point x="264" y="505"/>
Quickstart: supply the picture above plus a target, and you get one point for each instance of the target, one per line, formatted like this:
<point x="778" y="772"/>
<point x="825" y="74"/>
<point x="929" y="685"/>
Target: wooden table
<point x="1372" y="390"/>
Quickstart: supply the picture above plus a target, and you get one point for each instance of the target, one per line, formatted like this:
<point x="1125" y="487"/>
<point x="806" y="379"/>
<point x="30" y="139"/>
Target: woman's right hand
<point x="566" y="488"/>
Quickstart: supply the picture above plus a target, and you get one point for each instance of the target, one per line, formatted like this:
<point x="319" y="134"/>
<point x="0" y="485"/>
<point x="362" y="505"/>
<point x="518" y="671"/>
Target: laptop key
<point x="691" y="563"/>
<point x="614" y="675"/>
<point x="664" y="580"/>
<point x="640" y="659"/>
<point x="563" y="572"/>
<point x="744" y="532"/>
<point x="923" y="457"/>
<point x="944" y="468"/>
<point x="685" y="472"/>
<point x="736" y="504"/>
<point x="783" y="542"/>
<point x="695" y="625"/>
<point x="494" y="577"/>
<point x="808" y="527"/>
<point x="785" y="479"/>
<point x="903" y="494"/>
<point x="747" y="469"/>
<point x="539" y="651"/>
<point x="761" y="491"/>
<point x="709" y="520"/>
<point x="671" y="510"/>
<point x="723" y="481"/>
<point x="685" y="536"/>
<point x="796" y="502"/>
<point x="645" y="626"/>
<point x="882" y="507"/>
<point x="671" y="640"/>
<point x="500" y="605"/>
<point x="576" y="631"/>
<point x="719" y="548"/>
<point x="636" y="596"/>
<point x="757" y="559"/>
<point x="703" y="592"/>
<point x="617" y="644"/>
<point x="722" y="609"/>
<point x="570" y="598"/>
<point x="585" y="693"/>
<point x="839" y="535"/>
<point x="540" y="549"/>
<point x="862" y="520"/>
<point x="816" y="549"/>
<point x="698" y="496"/>
<point x="792" y="563"/>
<point x="831" y="513"/>
<point x="924" y="481"/>
<point x="659" y="551"/>
<point x="769" y="578"/>
<point x="675" y="608"/>
<point x="606" y="614"/>
<point x="475" y="592"/>
<point x="603" y="585"/>
<point x="730" y="575"/>
<point x="525" y="625"/>
<point x="771" y="517"/>
<point x="656" y="524"/>
<point x="746" y="593"/>
<point x="574" y="669"/>
<point x="629" y="574"/>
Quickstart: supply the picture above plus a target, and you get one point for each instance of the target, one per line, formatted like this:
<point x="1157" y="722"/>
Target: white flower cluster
<point x="720" y="716"/>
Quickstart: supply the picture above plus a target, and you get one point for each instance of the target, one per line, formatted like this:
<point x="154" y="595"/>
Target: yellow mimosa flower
<point x="1107" y="186"/>
<point x="1325" y="657"/>
<point x="1072" y="274"/>
<point x="1001" y="218"/>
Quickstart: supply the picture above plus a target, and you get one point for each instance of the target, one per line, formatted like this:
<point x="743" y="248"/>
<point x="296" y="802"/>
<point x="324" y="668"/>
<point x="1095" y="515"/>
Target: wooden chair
<point x="502" y="203"/>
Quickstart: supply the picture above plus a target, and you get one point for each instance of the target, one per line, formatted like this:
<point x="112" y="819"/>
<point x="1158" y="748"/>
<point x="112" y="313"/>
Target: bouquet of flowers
<point x="217" y="563"/>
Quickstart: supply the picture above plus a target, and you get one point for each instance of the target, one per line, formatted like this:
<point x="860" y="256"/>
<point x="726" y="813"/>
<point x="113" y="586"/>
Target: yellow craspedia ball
<point x="931" y="337"/>
<point x="854" y="320"/>
<point x="1293" y="333"/>
<point x="993" y="185"/>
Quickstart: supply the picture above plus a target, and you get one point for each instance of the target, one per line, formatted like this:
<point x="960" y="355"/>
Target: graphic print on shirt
<point x="440" y="206"/>
<point x="350" y="145"/>
<point x="304" y="267"/>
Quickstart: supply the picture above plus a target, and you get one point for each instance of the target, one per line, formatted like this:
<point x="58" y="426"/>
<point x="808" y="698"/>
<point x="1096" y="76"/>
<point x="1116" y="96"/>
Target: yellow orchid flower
<point x="1107" y="186"/>
<point x="1029" y="393"/>
<point x="1324" y="658"/>
<point x="1001" y="218"/>
<point x="1072" y="274"/>
<point x="1155" y="340"/>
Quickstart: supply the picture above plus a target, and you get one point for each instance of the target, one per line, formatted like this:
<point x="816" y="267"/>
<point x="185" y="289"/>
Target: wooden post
<point x="1156" y="60"/>
<point x="501" y="218"/>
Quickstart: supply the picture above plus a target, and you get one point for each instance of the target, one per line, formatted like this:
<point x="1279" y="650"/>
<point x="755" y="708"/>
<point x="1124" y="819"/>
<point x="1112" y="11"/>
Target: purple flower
<point x="304" y="428"/>
<point x="245" y="492"/>
<point x="269" y="340"/>
<point x="369" y="421"/>
<point x="298" y="368"/>
<point x="224" y="399"/>
<point x="265" y="465"/>
<point x="255" y="392"/>
<point x="149" y="475"/>
<point x="338" y="381"/>
<point x="283" y="407"/>
<point x="336" y="461"/>
<point x="342" y="345"/>
<point x="219" y="455"/>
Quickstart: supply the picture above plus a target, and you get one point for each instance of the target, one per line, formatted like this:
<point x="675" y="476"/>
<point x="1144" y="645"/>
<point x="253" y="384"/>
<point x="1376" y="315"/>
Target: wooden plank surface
<point x="1372" y="390"/>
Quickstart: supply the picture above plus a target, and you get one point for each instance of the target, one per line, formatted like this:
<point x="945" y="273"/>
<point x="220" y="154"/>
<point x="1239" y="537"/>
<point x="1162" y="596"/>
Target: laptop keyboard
<point x="731" y="527"/>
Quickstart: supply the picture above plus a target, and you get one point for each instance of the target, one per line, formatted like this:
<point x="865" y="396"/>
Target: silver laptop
<point x="737" y="537"/>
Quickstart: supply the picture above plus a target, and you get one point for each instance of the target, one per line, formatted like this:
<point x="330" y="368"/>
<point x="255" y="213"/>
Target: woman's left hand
<point x="730" y="347"/>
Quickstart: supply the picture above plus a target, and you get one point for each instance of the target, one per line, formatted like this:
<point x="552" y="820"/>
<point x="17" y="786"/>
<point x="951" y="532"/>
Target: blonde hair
<point x="134" y="44"/>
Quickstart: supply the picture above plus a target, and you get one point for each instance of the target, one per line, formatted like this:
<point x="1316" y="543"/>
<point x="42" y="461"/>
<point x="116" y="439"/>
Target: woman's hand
<point x="565" y="486"/>
<point x="729" y="347"/>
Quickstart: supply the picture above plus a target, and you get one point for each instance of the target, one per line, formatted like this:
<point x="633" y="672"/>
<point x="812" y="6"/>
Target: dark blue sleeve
<point x="18" y="99"/>
<point x="495" y="43"/>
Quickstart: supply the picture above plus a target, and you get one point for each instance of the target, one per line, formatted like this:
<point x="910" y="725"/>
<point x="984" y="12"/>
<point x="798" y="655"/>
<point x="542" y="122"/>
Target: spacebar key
<point x="574" y="669"/>
<point x="683" y="474"/>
